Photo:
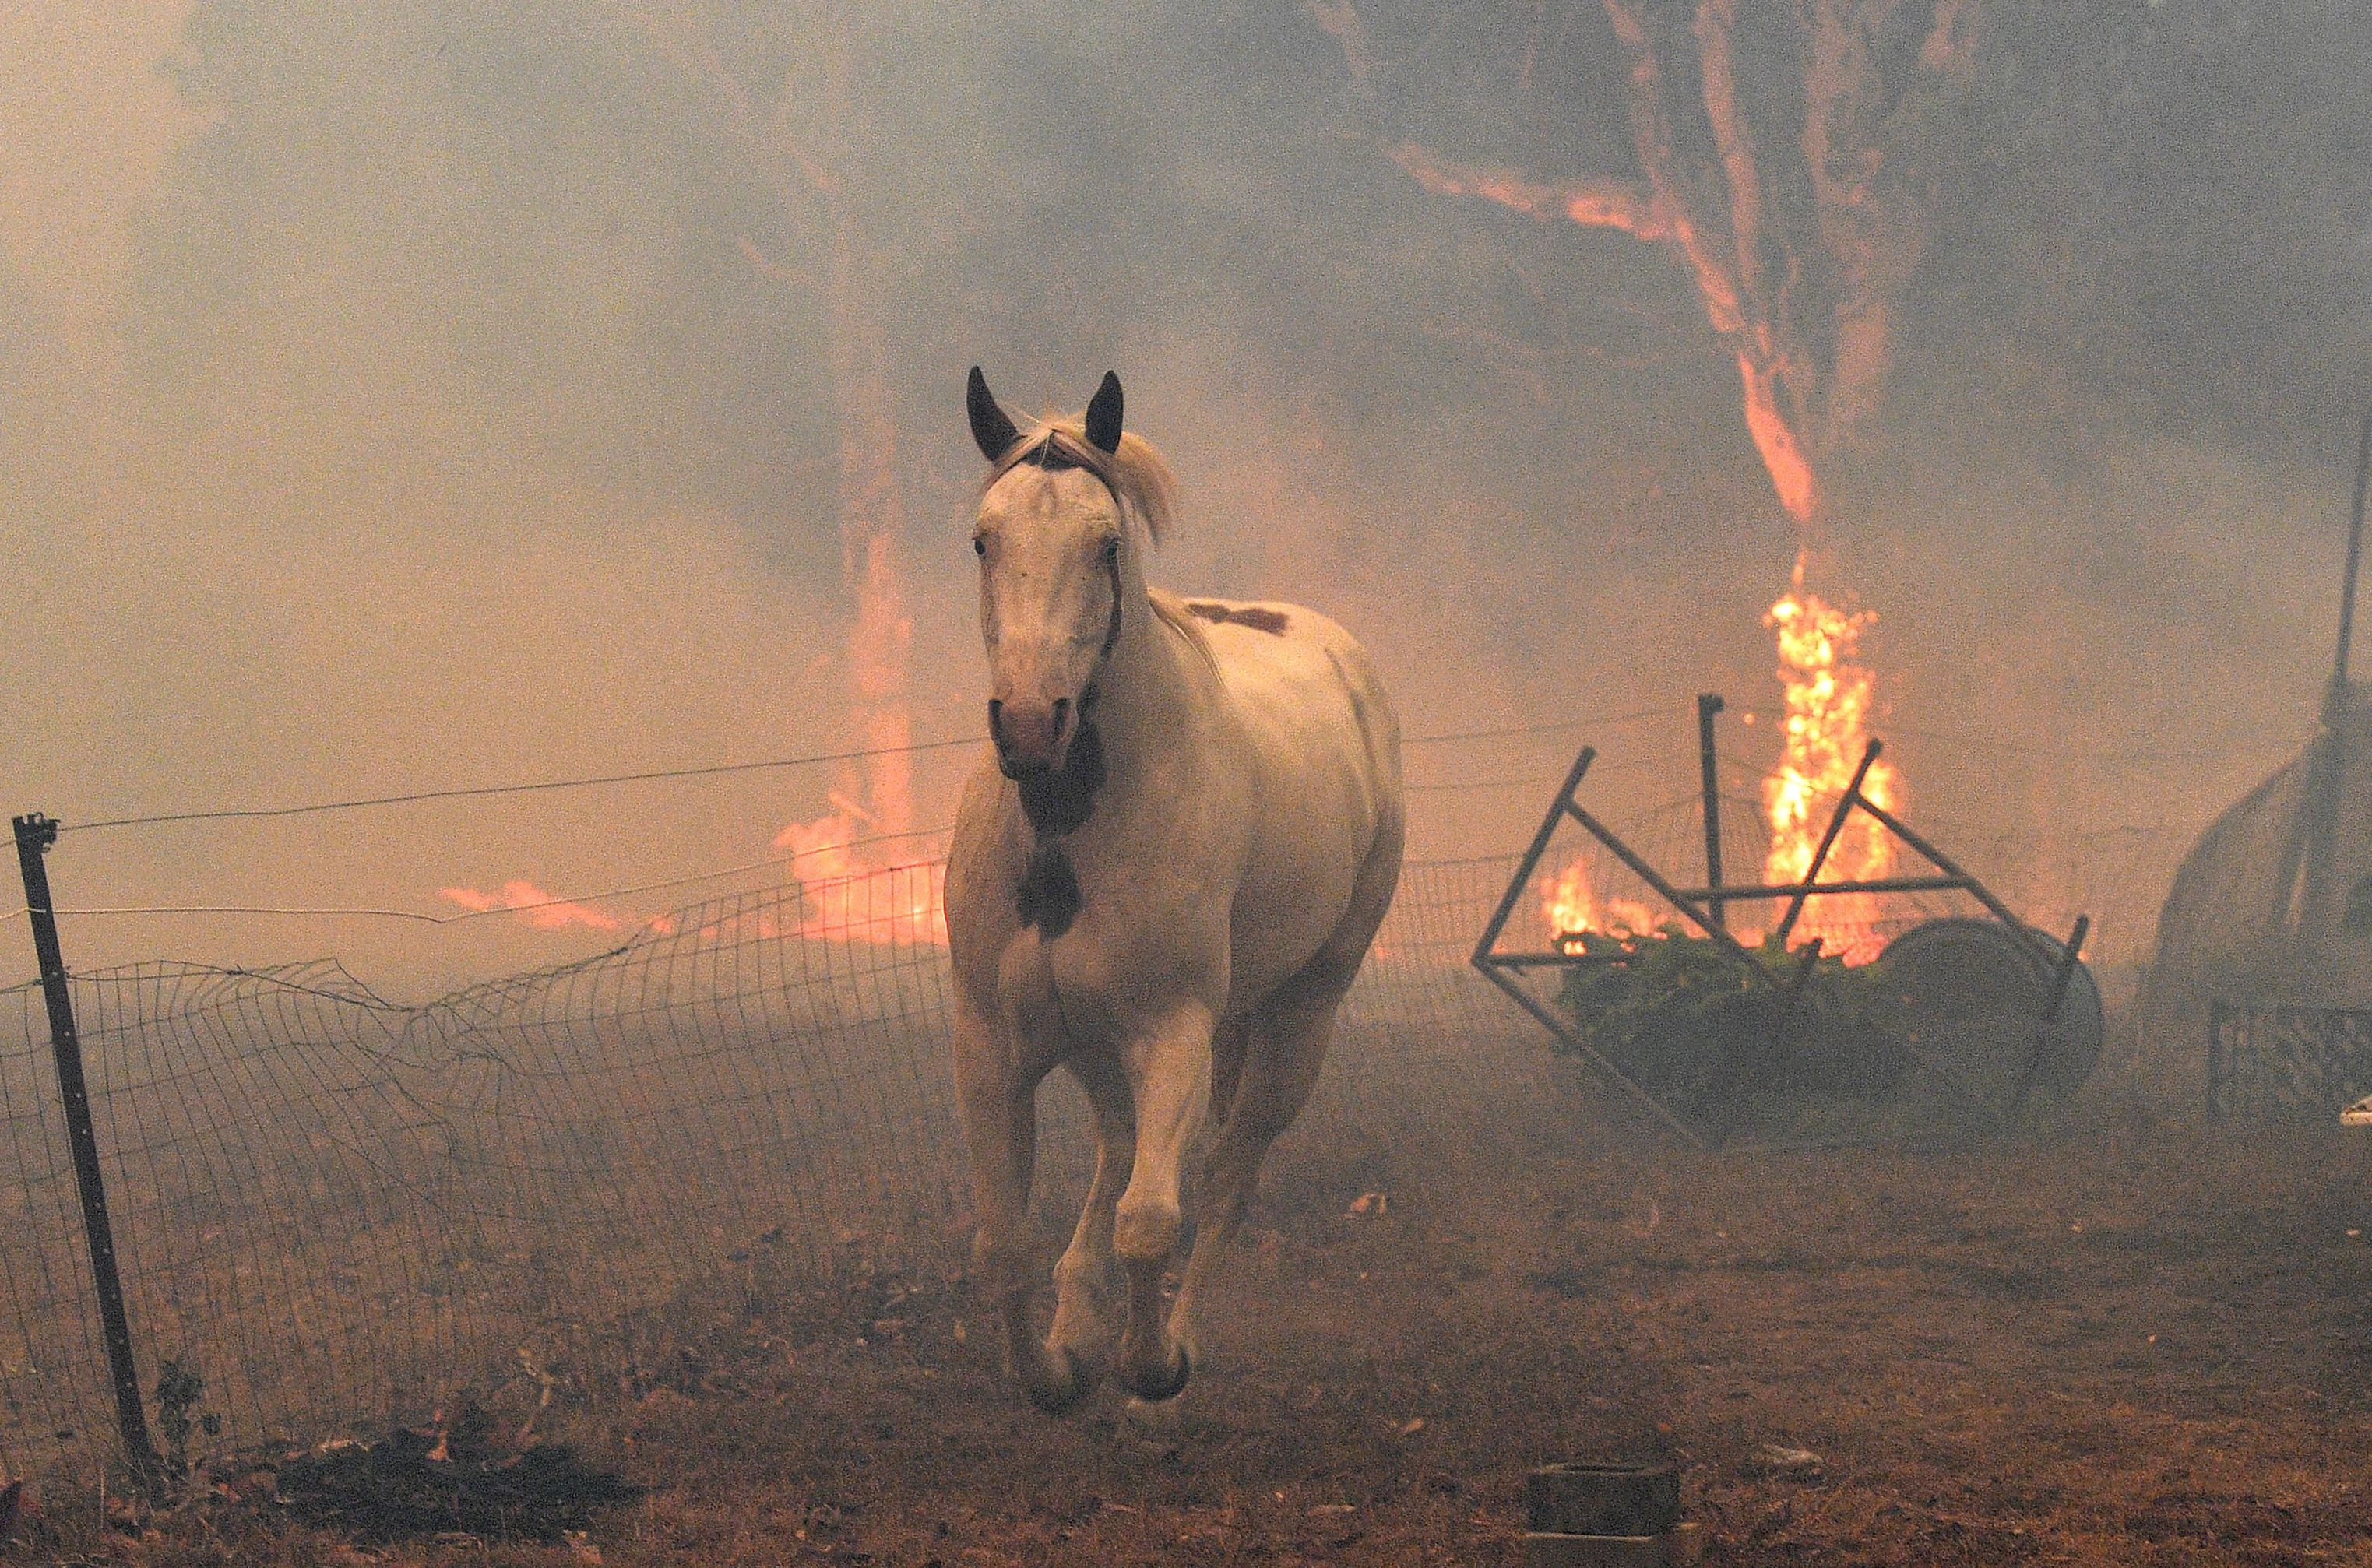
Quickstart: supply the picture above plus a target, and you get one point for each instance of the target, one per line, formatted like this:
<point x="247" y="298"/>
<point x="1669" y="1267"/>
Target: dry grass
<point x="2131" y="1345"/>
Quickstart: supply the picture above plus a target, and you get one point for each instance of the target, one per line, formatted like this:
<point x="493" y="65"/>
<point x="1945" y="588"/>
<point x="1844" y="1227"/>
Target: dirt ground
<point x="2112" y="1341"/>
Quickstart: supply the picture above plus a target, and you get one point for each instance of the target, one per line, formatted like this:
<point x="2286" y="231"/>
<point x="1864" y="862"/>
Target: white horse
<point x="1165" y="883"/>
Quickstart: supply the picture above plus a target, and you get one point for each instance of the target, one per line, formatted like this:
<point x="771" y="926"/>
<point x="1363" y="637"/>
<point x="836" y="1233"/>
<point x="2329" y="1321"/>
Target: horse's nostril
<point x="1061" y="712"/>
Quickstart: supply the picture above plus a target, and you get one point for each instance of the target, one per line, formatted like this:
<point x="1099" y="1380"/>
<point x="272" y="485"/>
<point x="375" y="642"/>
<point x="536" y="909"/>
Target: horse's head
<point x="1056" y="564"/>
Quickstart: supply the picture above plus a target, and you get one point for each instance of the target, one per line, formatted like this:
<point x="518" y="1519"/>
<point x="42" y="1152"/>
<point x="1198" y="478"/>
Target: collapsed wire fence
<point x="337" y="1210"/>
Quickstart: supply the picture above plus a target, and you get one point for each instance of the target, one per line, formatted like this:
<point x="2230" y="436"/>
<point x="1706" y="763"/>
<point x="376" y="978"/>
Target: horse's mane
<point x="1136" y="474"/>
<point x="1172" y="609"/>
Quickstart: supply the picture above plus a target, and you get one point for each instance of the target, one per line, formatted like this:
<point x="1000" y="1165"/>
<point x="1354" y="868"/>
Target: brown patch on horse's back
<point x="1271" y="621"/>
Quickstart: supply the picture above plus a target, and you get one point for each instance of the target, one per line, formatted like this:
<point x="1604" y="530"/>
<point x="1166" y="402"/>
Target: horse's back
<point x="1304" y="684"/>
<point x="1323" y="847"/>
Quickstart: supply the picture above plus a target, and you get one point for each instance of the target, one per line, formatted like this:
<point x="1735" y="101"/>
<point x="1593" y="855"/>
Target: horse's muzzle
<point x="1032" y="738"/>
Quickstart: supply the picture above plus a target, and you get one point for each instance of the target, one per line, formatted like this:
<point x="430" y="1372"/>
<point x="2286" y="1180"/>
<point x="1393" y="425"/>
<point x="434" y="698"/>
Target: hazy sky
<point x="392" y="405"/>
<point x="88" y="119"/>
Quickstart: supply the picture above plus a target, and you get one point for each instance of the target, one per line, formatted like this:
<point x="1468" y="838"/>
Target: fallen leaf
<point x="1778" y="1460"/>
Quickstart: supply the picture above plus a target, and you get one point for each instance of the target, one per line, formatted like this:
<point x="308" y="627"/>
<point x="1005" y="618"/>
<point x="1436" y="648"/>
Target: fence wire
<point x="337" y="1210"/>
<point x="2278" y="1063"/>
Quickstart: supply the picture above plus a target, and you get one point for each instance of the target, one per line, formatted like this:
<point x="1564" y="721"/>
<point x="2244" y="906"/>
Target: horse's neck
<point x="1149" y="697"/>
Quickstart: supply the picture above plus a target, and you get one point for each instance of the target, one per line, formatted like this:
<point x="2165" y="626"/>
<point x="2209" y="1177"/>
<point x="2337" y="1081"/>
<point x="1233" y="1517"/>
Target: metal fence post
<point x="35" y="834"/>
<point x="2071" y="954"/>
<point x="1709" y="782"/>
<point x="2215" y="1070"/>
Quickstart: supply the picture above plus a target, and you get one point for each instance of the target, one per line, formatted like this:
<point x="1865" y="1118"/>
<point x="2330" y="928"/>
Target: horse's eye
<point x="979" y="545"/>
<point x="1112" y="550"/>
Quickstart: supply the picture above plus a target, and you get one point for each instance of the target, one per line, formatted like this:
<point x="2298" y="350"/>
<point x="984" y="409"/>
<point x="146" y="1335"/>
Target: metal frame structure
<point x="1706" y="907"/>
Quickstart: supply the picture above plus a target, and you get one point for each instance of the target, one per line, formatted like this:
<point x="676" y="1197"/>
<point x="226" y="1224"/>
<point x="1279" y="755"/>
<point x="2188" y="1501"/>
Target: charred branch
<point x="1593" y="203"/>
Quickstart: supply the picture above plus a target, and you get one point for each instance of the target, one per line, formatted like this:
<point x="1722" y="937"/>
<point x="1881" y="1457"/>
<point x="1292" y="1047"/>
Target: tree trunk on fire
<point x="1798" y="257"/>
<point x="872" y="517"/>
<point x="1798" y="270"/>
<point x="807" y="178"/>
<point x="872" y="505"/>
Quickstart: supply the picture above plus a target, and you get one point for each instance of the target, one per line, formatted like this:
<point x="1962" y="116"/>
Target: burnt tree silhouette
<point x="801" y="149"/>
<point x="1794" y="194"/>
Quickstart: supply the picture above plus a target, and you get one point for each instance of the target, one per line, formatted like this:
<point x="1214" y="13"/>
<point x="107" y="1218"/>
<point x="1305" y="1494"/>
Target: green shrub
<point x="1683" y="1016"/>
<point x="181" y="1413"/>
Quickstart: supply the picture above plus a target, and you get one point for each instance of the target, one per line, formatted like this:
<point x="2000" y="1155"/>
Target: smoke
<point x="89" y="121"/>
<point x="393" y="404"/>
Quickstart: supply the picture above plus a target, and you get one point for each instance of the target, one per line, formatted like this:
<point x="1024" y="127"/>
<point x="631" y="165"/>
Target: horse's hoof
<point x="1057" y="1399"/>
<point x="1153" y="1390"/>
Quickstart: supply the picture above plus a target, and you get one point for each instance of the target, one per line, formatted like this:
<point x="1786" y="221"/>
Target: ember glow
<point x="1829" y="694"/>
<point x="847" y="893"/>
<point x="1571" y="907"/>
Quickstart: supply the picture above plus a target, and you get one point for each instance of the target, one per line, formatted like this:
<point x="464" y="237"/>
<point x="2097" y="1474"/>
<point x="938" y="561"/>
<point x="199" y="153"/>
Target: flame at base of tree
<point x="1829" y="697"/>
<point x="849" y="894"/>
<point x="1829" y="694"/>
<point x="850" y="887"/>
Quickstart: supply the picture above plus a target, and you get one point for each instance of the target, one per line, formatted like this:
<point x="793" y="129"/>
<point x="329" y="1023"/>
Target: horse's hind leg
<point x="1286" y="1047"/>
<point x="1086" y="1264"/>
<point x="999" y="1111"/>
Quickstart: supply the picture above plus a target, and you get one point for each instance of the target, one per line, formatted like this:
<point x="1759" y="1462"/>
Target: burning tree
<point x="799" y="142"/>
<point x="1776" y="158"/>
<point x="795" y="142"/>
<point x="1798" y="246"/>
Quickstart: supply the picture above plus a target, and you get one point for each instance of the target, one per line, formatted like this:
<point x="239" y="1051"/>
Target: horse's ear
<point x="992" y="429"/>
<point x="1103" y="414"/>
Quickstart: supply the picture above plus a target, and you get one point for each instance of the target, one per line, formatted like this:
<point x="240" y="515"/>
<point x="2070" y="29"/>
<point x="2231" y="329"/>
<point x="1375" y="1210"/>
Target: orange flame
<point x="1825" y="730"/>
<point x="534" y="905"/>
<point x="1570" y="905"/>
<point x="846" y="893"/>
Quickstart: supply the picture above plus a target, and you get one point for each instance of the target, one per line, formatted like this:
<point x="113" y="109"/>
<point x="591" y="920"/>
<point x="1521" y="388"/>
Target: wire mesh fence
<point x="2286" y="1064"/>
<point x="337" y="1210"/>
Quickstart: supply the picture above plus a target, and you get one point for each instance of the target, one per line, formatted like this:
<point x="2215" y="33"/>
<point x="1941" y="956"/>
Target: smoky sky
<point x="392" y="403"/>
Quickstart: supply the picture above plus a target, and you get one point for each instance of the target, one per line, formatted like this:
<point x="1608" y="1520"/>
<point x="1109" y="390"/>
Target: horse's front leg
<point x="1171" y="1066"/>
<point x="1081" y="1272"/>
<point x="997" y="1102"/>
